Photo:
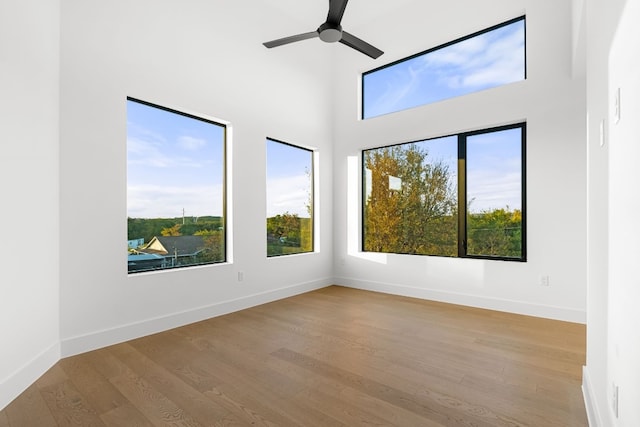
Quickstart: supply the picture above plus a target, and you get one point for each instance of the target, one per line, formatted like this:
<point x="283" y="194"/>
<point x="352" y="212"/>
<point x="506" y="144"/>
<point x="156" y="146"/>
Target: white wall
<point x="179" y="55"/>
<point x="623" y="349"/>
<point x="29" y="328"/>
<point x="551" y="100"/>
<point x="602" y="19"/>
<point x="199" y="57"/>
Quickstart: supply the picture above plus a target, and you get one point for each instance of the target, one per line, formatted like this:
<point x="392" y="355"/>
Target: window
<point x="494" y="196"/>
<point x="175" y="188"/>
<point x="289" y="199"/>
<point x="489" y="58"/>
<point x="460" y="195"/>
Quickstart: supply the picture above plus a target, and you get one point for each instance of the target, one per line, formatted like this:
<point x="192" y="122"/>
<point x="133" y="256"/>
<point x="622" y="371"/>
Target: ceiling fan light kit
<point x="330" y="32"/>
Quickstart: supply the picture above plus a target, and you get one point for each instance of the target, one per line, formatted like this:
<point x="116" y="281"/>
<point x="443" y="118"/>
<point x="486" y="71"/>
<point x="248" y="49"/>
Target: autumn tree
<point x="286" y="226"/>
<point x="411" y="205"/>
<point x="172" y="231"/>
<point x="213" y="250"/>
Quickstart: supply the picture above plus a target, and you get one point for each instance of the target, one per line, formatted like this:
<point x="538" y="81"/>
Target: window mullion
<point x="462" y="196"/>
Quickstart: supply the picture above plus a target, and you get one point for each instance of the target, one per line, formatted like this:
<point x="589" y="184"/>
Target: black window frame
<point x="225" y="234"/>
<point x="462" y="192"/>
<point x="433" y="49"/>
<point x="312" y="197"/>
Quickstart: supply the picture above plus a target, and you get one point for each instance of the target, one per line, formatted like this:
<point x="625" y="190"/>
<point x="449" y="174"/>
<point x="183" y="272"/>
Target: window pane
<point x="289" y="199"/>
<point x="494" y="193"/>
<point x="175" y="188"/>
<point x="487" y="59"/>
<point x="410" y="201"/>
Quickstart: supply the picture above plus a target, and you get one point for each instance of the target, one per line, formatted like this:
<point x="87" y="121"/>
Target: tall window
<point x="175" y="188"/>
<point x="489" y="58"/>
<point x="460" y="195"/>
<point x="289" y="199"/>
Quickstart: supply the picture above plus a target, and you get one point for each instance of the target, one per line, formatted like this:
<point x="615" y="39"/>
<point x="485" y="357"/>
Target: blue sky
<point x="174" y="162"/>
<point x="443" y="150"/>
<point x="494" y="170"/>
<point x="494" y="177"/>
<point x="488" y="60"/>
<point x="288" y="179"/>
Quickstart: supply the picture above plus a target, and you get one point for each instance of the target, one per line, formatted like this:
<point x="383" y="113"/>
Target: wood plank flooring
<point x="333" y="357"/>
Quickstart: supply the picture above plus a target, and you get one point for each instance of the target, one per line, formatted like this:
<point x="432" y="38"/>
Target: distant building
<point x="135" y="243"/>
<point x="142" y="262"/>
<point x="174" y="250"/>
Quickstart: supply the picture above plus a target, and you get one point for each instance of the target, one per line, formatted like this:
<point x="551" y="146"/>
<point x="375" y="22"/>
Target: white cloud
<point x="483" y="61"/>
<point x="145" y="133"/>
<point x="155" y="201"/>
<point x="154" y="154"/>
<point x="480" y="62"/>
<point x="288" y="194"/>
<point x="489" y="189"/>
<point x="146" y="152"/>
<point x="398" y="87"/>
<point x="190" y="143"/>
<point x="456" y="55"/>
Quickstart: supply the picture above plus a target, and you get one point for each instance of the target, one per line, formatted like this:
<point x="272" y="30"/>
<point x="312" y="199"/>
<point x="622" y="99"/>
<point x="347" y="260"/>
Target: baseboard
<point x="83" y="343"/>
<point x="589" y="401"/>
<point x="517" y="307"/>
<point x="15" y="384"/>
<point x="593" y="415"/>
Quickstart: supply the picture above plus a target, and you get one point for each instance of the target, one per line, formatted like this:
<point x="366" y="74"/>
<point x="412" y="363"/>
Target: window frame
<point x="225" y="222"/>
<point x="462" y="192"/>
<point x="311" y="196"/>
<point x="433" y="49"/>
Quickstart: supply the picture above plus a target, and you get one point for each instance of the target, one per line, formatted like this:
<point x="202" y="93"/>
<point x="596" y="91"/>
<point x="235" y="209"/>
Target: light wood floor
<point x="333" y="357"/>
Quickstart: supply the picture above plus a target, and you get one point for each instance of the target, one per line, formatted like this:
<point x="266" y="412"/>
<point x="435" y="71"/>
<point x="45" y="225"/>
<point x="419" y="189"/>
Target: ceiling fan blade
<point x="360" y="45"/>
<point x="336" y="10"/>
<point x="291" y="39"/>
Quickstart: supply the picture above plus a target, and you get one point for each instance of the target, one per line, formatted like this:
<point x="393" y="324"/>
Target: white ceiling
<point x="357" y="13"/>
<point x="398" y="27"/>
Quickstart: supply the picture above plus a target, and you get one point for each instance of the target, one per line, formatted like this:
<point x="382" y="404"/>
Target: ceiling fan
<point x="331" y="31"/>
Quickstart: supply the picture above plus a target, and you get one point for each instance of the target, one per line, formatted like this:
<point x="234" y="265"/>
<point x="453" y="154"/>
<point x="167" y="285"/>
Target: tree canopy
<point x="411" y="207"/>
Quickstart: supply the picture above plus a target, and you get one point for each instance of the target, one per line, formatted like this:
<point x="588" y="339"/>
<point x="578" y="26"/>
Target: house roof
<point x="144" y="257"/>
<point x="168" y="245"/>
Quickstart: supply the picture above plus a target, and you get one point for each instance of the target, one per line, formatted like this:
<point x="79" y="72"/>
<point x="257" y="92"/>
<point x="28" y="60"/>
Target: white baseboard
<point x="593" y="415"/>
<point x="19" y="381"/>
<point x="83" y="343"/>
<point x="517" y="307"/>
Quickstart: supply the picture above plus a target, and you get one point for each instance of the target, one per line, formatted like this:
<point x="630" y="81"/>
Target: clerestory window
<point x="489" y="58"/>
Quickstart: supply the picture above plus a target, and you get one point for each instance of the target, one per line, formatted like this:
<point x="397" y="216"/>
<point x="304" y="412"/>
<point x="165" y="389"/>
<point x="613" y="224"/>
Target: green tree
<point x="495" y="232"/>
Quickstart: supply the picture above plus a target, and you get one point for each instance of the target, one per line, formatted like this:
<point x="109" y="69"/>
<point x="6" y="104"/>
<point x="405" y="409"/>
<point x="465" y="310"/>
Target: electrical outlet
<point x="614" y="399"/>
<point x="240" y="276"/>
<point x="544" y="280"/>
